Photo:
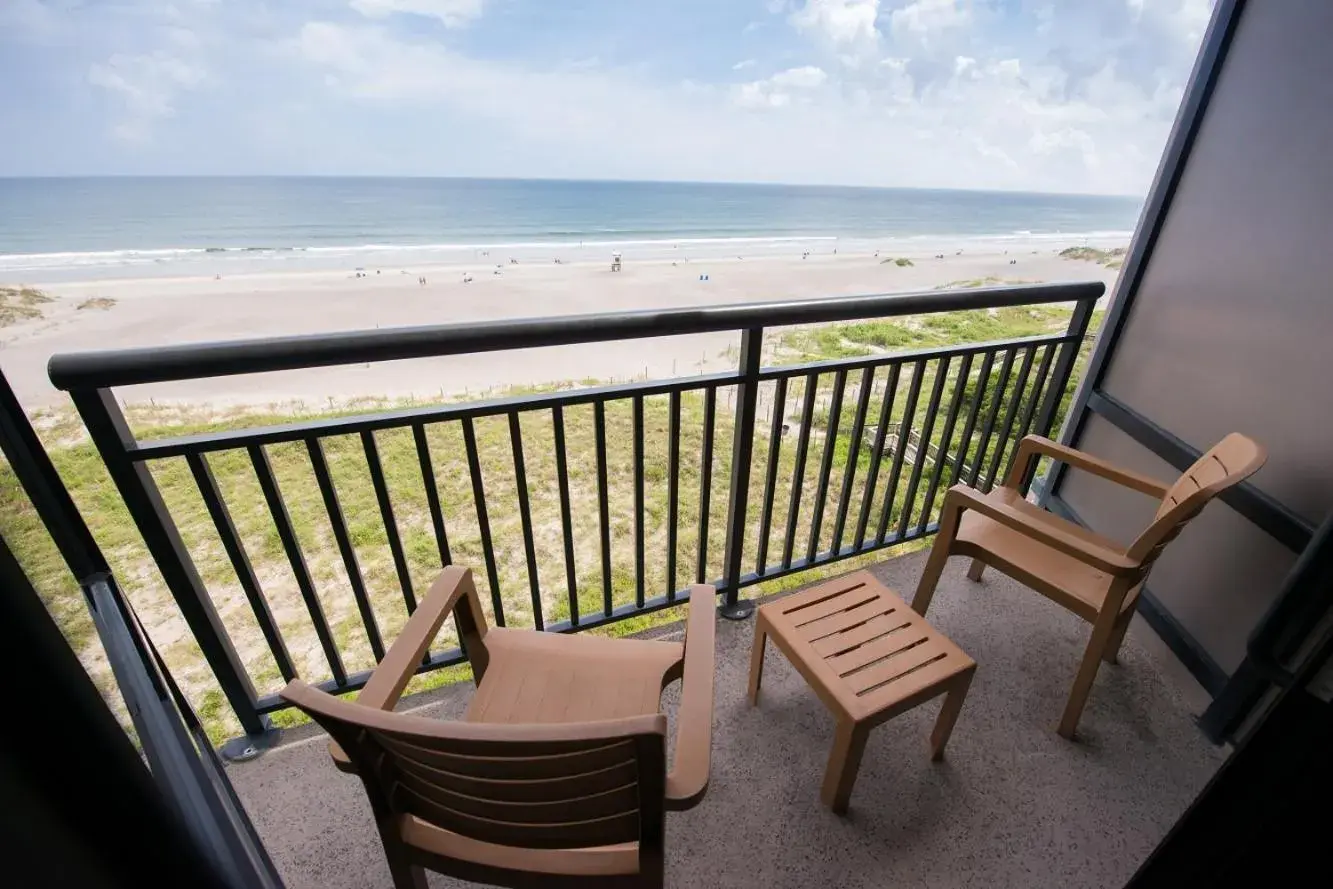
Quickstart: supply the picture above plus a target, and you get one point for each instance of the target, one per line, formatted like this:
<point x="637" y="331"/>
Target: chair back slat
<point x="1228" y="463"/>
<point x="560" y="762"/>
<point x="562" y="832"/>
<point x="566" y="786"/>
<point x="532" y="790"/>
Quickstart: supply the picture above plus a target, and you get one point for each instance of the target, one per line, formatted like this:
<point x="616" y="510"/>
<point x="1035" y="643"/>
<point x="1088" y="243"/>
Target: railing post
<point x="1064" y="366"/>
<point x="112" y="437"/>
<point x="742" y="449"/>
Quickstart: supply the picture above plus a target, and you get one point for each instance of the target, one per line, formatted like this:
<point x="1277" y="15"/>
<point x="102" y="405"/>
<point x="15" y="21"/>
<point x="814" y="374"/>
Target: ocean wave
<point x="163" y="256"/>
<point x="140" y="256"/>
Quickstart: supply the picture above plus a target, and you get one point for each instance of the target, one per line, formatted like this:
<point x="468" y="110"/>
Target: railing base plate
<point x="739" y="610"/>
<point x="248" y="747"/>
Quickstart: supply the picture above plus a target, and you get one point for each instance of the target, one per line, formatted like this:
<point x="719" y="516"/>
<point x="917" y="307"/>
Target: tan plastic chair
<point x="1091" y="575"/>
<point x="557" y="775"/>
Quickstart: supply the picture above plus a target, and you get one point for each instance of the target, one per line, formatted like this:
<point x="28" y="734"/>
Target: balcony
<point x="757" y="480"/>
<point x="1012" y="804"/>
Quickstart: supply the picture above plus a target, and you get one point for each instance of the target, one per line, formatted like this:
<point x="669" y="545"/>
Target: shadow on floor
<point x="1011" y="805"/>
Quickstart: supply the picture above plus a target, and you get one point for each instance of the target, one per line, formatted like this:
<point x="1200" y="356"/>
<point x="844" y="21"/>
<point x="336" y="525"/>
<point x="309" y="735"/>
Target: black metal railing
<point x="195" y="806"/>
<point x="937" y="415"/>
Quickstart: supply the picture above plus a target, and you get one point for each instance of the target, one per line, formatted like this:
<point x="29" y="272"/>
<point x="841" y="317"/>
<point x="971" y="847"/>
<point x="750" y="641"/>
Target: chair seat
<point x="537" y="677"/>
<point x="1075" y="585"/>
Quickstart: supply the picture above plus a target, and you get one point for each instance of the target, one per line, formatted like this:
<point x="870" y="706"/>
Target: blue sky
<point x="1041" y="95"/>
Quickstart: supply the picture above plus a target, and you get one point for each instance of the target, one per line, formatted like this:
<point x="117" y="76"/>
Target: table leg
<point x="953" y="703"/>
<point x="757" y="657"/>
<point x="849" y="742"/>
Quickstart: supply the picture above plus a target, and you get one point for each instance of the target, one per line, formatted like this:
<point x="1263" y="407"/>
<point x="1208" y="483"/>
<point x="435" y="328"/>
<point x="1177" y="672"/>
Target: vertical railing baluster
<point x="566" y="514"/>
<point x="525" y="519"/>
<point x="603" y="502"/>
<point x="877" y="453"/>
<point x="432" y="496"/>
<point x="386" y="513"/>
<point x="900" y="451"/>
<point x="638" y="502"/>
<point x="706" y="482"/>
<point x="1038" y="388"/>
<point x="483" y="519"/>
<point x="240" y="561"/>
<point x="433" y="504"/>
<point x="923" y="448"/>
<point x="1006" y="367"/>
<point x="673" y="491"/>
<point x="1064" y="368"/>
<point x="853" y="457"/>
<point x="798" y="473"/>
<point x="742" y="454"/>
<point x="942" y="454"/>
<point x="1008" y="426"/>
<point x="319" y="463"/>
<point x="112" y="437"/>
<point x="826" y="464"/>
<point x="973" y="411"/>
<point x="771" y="472"/>
<point x="268" y="484"/>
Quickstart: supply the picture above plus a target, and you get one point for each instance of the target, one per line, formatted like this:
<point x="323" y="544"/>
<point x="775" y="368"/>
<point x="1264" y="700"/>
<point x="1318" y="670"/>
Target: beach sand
<point x="168" y="311"/>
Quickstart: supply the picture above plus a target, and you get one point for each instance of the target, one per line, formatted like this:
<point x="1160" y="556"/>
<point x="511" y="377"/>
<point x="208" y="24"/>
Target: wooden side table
<point x="869" y="657"/>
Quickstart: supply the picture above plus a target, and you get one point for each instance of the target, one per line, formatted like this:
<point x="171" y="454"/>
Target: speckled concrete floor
<point x="1011" y="805"/>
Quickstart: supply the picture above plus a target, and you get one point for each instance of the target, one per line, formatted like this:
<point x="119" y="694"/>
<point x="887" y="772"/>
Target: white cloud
<point x="452" y="13"/>
<point x="924" y="19"/>
<point x="758" y="95"/>
<point x="147" y="85"/>
<point x="842" y="23"/>
<point x="742" y="65"/>
<point x="781" y="89"/>
<point x="805" y="77"/>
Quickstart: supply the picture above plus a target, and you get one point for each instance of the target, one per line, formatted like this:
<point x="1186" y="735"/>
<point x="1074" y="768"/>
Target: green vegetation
<point x="1111" y="259"/>
<point x="989" y="281"/>
<point x="901" y="262"/>
<point x="96" y="497"/>
<point x="96" y="302"/>
<point x="20" y="304"/>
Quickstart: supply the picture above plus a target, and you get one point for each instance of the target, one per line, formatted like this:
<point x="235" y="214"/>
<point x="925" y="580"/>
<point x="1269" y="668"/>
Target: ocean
<point x="81" y="228"/>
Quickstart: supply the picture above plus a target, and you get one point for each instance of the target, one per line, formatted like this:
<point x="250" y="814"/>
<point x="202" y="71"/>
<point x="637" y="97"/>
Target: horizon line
<point x="608" y="180"/>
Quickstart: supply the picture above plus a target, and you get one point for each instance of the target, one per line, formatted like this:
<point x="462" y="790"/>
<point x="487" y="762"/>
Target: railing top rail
<point x="352" y="423"/>
<point x="123" y="367"/>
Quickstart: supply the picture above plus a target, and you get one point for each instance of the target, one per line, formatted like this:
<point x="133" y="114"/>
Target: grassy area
<point x="96" y="497"/>
<point x="1111" y="259"/>
<point x="901" y="262"/>
<point x="20" y="304"/>
<point x="96" y="302"/>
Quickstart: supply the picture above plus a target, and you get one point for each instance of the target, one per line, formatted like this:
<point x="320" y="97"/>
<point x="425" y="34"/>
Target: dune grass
<point x="20" y="304"/>
<point x="1111" y="259"/>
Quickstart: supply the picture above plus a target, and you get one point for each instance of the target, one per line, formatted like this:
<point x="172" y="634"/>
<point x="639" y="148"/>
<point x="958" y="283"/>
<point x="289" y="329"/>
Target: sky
<point x="1032" y="95"/>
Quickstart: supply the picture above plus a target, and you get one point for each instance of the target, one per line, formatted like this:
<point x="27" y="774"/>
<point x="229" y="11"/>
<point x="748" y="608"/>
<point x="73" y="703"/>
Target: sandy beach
<point x="123" y="313"/>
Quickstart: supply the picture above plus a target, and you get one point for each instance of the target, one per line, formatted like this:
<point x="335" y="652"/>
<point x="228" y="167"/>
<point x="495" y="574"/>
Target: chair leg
<point x="757" y="658"/>
<point x="849" y="742"/>
<point x="974" y="570"/>
<point x="405" y="874"/>
<point x="944" y="723"/>
<point x="1087" y="672"/>
<point x="930" y="577"/>
<point x="1112" y="653"/>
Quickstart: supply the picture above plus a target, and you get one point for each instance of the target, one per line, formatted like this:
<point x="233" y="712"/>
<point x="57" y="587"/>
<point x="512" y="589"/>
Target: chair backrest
<point x="1229" y="462"/>
<point x="566" y="786"/>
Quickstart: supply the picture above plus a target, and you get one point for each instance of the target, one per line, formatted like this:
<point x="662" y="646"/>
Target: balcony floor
<point x="1012" y="804"/>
